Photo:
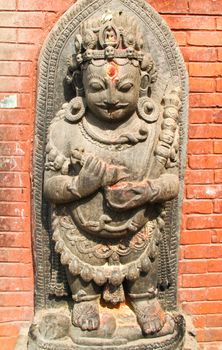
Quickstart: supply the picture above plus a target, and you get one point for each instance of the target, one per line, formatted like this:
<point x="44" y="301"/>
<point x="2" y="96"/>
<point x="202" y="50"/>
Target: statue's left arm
<point x="127" y="195"/>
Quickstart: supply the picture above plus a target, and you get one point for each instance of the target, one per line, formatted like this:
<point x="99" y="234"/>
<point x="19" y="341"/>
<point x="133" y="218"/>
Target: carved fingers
<point x="91" y="176"/>
<point x="127" y="195"/>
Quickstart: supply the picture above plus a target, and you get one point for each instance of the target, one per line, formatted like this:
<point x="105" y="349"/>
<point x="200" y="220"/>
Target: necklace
<point x="121" y="142"/>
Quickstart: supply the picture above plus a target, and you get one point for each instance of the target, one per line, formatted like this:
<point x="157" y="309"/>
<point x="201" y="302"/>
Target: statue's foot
<point x="150" y="315"/>
<point x="86" y="315"/>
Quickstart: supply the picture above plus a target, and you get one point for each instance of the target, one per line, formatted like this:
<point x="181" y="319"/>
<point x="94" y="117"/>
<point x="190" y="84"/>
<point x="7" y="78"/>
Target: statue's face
<point x="112" y="90"/>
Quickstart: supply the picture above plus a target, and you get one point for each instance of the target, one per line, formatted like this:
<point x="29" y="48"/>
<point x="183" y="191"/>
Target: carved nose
<point x="111" y="104"/>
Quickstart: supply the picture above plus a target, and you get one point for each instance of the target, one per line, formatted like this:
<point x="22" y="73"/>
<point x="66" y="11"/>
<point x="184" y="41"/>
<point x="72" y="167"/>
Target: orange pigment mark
<point x="112" y="71"/>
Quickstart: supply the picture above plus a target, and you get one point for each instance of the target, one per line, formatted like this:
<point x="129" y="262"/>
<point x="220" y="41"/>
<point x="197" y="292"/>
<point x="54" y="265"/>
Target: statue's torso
<point x="93" y="214"/>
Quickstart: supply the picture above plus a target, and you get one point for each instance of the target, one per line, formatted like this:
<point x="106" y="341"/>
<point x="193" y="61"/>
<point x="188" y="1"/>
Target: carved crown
<point x="112" y="36"/>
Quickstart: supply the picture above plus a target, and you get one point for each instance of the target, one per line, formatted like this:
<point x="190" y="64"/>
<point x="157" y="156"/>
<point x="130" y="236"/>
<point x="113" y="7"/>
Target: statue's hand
<point x="111" y="173"/>
<point x="128" y="195"/>
<point x="90" y="177"/>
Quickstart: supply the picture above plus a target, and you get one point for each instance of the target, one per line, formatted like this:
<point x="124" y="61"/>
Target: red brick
<point x="205" y="162"/>
<point x="15" y="133"/>
<point x="15" y="180"/>
<point x="8" y="343"/>
<point x="211" y="335"/>
<point x="13" y="52"/>
<point x="26" y="100"/>
<point x="205" y="69"/>
<point x="196" y="237"/>
<point x="204" y="38"/>
<point x="201" y="116"/>
<point x="42" y="5"/>
<point x="8" y="35"/>
<point x="192" y="267"/>
<point x="199" y="321"/>
<point x="199" y="54"/>
<point x="29" y="35"/>
<point x="199" y="177"/>
<point x="202" y="85"/>
<point x="214" y="321"/>
<point x="14" y="195"/>
<point x="205" y="222"/>
<point x="14" y="148"/>
<point x="14" y="209"/>
<point x="7" y="5"/>
<point x="27" y="69"/>
<point x="214" y="266"/>
<point x="13" y="164"/>
<point x="203" y="280"/>
<point x="202" y="252"/>
<point x="218" y="206"/>
<point x="8" y="329"/>
<point x="198" y="207"/>
<point x="15" y="116"/>
<point x="205" y="100"/>
<point x="219" y="23"/>
<point x="22" y="19"/>
<point x="218" y="116"/>
<point x="190" y="22"/>
<point x="15" y="270"/>
<point x="17" y="84"/>
<point x="18" y="255"/>
<point x="210" y="346"/>
<point x="200" y="147"/>
<point x="16" y="299"/>
<point x="172" y="6"/>
<point x="219" y="54"/>
<point x="14" y="224"/>
<point x="199" y="131"/>
<point x="219" y="85"/>
<point x="15" y="239"/>
<point x="24" y="313"/>
<point x="206" y="6"/>
<point x="198" y="308"/>
<point x="16" y="284"/>
<point x="218" y="176"/>
<point x="217" y="236"/>
<point x="9" y="68"/>
<point x="181" y="38"/>
<point x="218" y="147"/>
<point x="192" y="295"/>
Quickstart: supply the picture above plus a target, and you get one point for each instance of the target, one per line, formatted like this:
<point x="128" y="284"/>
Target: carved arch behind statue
<point x="52" y="93"/>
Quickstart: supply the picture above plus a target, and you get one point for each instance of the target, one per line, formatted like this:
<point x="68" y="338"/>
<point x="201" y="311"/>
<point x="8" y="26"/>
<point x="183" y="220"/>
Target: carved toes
<point x="86" y="315"/>
<point x="150" y="316"/>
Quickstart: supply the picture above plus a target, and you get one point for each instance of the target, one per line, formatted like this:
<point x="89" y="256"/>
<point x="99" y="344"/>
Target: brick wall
<point x="197" y="25"/>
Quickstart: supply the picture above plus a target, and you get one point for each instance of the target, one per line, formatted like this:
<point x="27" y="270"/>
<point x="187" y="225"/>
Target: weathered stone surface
<point x="114" y="158"/>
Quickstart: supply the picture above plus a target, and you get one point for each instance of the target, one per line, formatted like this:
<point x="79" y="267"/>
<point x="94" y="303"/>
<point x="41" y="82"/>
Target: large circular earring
<point x="75" y="109"/>
<point x="147" y="109"/>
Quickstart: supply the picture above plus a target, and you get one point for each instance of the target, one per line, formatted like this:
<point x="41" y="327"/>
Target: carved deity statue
<point x="110" y="158"/>
<point x="111" y="165"/>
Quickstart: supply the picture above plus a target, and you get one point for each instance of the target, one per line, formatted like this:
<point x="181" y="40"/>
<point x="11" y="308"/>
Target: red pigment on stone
<point x="112" y="70"/>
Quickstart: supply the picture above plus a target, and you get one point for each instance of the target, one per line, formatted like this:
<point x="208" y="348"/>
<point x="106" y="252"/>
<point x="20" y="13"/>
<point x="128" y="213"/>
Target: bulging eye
<point x="96" y="86"/>
<point x="124" y="87"/>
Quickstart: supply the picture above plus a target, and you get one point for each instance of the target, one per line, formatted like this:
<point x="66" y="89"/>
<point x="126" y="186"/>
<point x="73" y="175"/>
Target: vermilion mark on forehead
<point x="112" y="71"/>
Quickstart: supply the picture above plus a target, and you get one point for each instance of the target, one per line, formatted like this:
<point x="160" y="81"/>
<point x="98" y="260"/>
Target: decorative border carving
<point x="50" y="54"/>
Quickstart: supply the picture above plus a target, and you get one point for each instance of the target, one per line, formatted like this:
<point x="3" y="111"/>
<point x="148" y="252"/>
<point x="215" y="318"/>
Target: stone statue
<point x="111" y="165"/>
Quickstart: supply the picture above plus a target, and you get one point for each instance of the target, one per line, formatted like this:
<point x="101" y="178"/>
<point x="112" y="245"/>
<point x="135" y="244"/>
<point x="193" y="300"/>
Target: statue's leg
<point x="86" y="296"/>
<point x="143" y="297"/>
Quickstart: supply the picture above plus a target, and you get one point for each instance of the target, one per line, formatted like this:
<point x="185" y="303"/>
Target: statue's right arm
<point x="60" y="189"/>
